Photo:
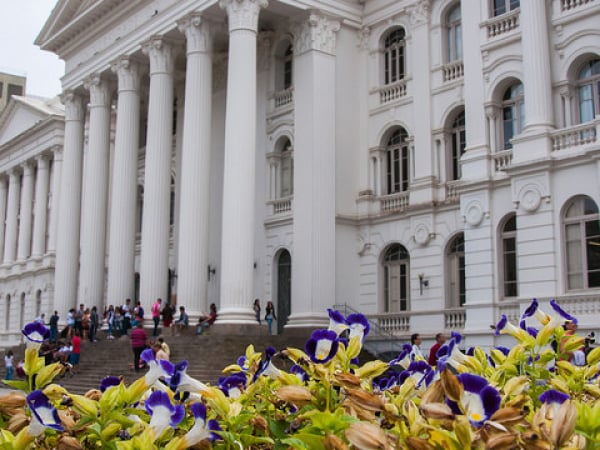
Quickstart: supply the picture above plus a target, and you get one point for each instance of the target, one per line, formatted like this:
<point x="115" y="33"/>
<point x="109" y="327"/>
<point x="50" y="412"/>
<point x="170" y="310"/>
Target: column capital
<point x="418" y="14"/>
<point x="99" y="90"/>
<point x="161" y="54"/>
<point x="27" y="168"/>
<point x="73" y="106"/>
<point x="41" y="159"/>
<point x="128" y="74"/>
<point x="316" y="33"/>
<point x="57" y="152"/>
<point x="14" y="173"/>
<point x="492" y="110"/>
<point x="197" y="31"/>
<point x="243" y="14"/>
<point x="363" y="36"/>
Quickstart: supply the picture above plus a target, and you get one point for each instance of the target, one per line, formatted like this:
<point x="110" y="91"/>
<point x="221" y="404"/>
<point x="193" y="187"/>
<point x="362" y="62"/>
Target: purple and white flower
<point x="479" y="401"/>
<point x="554" y="397"/>
<point x="322" y="346"/>
<point x="109" y="382"/>
<point x="359" y="325"/>
<point x="300" y="373"/>
<point x="201" y="429"/>
<point x="419" y="371"/>
<point x="163" y="412"/>
<point x="233" y="385"/>
<point x="266" y="366"/>
<point x="403" y="358"/>
<point x="561" y="312"/>
<point x="181" y="381"/>
<point x="43" y="414"/>
<point x="337" y="321"/>
<point x="36" y="333"/>
<point x="157" y="369"/>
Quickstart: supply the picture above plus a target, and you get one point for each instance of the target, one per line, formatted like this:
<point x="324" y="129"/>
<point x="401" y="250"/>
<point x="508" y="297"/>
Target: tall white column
<point x="237" y="246"/>
<point x="41" y="207"/>
<point x="195" y="167"/>
<point x="55" y="201"/>
<point x="67" y="244"/>
<point x="25" y="213"/>
<point x="157" y="180"/>
<point x="93" y="226"/>
<point x="313" y="277"/>
<point x="121" y="255"/>
<point x="537" y="72"/>
<point x="3" y="198"/>
<point x="12" y="215"/>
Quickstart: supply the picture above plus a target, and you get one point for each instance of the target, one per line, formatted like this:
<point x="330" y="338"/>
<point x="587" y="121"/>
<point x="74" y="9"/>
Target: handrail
<point x="375" y="332"/>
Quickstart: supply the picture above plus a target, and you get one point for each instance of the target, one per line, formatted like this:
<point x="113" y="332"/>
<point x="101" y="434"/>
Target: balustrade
<point x="455" y="319"/>
<point x="284" y="97"/>
<point x="282" y="205"/>
<point x="502" y="24"/>
<point x="454" y="71"/>
<point x="392" y="92"/>
<point x="394" y="202"/>
<point x="566" y="5"/>
<point x="503" y="160"/>
<point x="582" y="134"/>
<point x="452" y="191"/>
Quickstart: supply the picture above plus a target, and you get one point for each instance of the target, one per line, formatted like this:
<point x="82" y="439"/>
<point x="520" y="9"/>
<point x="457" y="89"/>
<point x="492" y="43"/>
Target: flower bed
<point x="528" y="397"/>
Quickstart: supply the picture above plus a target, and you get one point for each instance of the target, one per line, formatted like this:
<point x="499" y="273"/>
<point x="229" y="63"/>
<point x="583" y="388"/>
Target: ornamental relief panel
<point x="529" y="192"/>
<point x="316" y="33"/>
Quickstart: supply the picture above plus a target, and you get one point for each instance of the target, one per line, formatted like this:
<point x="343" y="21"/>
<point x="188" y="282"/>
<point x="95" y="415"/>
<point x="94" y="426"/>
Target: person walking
<point x="9" y="359"/>
<point x="54" y="326"/>
<point x="156" y="315"/>
<point x="139" y="340"/>
<point x="256" y="308"/>
<point x="270" y="315"/>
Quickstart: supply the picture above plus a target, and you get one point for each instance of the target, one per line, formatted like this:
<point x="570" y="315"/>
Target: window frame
<point x="580" y="222"/>
<point x="508" y="6"/>
<point x="393" y="56"/>
<point x="396" y="257"/>
<point x="286" y="153"/>
<point x="515" y="103"/>
<point x="593" y="83"/>
<point x="396" y="165"/>
<point x="453" y="32"/>
<point x="456" y="287"/>
<point x="507" y="236"/>
<point x="457" y="135"/>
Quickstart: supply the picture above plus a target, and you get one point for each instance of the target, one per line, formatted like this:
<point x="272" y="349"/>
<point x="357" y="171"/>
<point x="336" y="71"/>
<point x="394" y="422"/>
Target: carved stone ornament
<point x="316" y="33"/>
<point x="100" y="92"/>
<point x="530" y="197"/>
<point x="161" y="56"/>
<point x="419" y="12"/>
<point x="422" y="234"/>
<point x="73" y="106"/>
<point x="197" y="33"/>
<point x="363" y="36"/>
<point x="243" y="14"/>
<point x="128" y="74"/>
<point x="474" y="213"/>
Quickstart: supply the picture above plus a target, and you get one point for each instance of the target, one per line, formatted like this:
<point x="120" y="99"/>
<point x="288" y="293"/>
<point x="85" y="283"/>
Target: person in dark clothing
<point x="139" y="340"/>
<point x="54" y="326"/>
<point x="94" y="321"/>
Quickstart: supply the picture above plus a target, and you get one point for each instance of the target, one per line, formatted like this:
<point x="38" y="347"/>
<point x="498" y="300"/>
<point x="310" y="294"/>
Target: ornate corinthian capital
<point x="128" y="74"/>
<point x="197" y="32"/>
<point x="316" y="33"/>
<point x="243" y="14"/>
<point x="419" y="12"/>
<point x="161" y="55"/>
<point x="99" y="90"/>
<point x="73" y="106"/>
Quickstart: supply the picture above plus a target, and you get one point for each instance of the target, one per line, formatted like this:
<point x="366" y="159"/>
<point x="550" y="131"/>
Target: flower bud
<point x="17" y="422"/>
<point x="332" y="442"/>
<point x="69" y="443"/>
<point x="436" y="411"/>
<point x="367" y="436"/>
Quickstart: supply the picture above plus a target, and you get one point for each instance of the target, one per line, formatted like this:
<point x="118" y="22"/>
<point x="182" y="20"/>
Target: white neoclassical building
<point x="431" y="163"/>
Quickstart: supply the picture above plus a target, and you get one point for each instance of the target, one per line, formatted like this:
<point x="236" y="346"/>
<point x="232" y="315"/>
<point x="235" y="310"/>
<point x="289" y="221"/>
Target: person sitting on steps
<point x="180" y="323"/>
<point x="208" y="321"/>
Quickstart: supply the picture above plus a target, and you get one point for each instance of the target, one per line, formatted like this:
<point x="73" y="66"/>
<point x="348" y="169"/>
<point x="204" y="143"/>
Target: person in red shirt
<point x="139" y="340"/>
<point x="75" y="352"/>
<point x="439" y="341"/>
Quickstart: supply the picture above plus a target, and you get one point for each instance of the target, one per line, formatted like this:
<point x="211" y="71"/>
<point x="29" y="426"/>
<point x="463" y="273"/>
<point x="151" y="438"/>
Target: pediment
<point x="22" y="113"/>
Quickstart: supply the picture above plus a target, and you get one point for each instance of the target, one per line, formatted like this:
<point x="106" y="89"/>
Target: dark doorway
<point x="284" y="289"/>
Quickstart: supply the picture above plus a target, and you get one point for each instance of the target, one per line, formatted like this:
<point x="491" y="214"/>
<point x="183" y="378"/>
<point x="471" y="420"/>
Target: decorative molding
<point x="529" y="192"/>
<point x="100" y="92"/>
<point x="418" y="13"/>
<point x="316" y="33"/>
<point x="198" y="33"/>
<point x="473" y="213"/>
<point x="73" y="106"/>
<point x="128" y="74"/>
<point x="363" y="37"/>
<point x="243" y="14"/>
<point x="422" y="234"/>
<point x="264" y="43"/>
<point x="161" y="55"/>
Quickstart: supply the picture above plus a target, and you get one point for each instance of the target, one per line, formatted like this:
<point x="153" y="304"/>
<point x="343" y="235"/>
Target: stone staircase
<point x="207" y="355"/>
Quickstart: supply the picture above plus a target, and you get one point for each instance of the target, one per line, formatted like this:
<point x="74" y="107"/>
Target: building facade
<point x="431" y="163"/>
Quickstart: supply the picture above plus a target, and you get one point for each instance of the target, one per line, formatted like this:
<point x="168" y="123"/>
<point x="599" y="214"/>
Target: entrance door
<point x="284" y="289"/>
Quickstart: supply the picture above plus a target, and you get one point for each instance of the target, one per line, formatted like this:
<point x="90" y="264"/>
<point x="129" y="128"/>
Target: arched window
<point x="394" y="56"/>
<point x="454" y="34"/>
<point x="455" y="266"/>
<point x="396" y="272"/>
<point x="286" y="169"/>
<point x="397" y="162"/>
<point x="284" y="64"/>
<point x="287" y="67"/>
<point x="509" y="257"/>
<point x="513" y="113"/>
<point x="503" y="6"/>
<point x="588" y="83"/>
<point x="582" y="239"/>
<point x="458" y="137"/>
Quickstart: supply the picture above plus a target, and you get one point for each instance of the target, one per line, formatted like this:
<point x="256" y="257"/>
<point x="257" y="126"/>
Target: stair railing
<point x="379" y="340"/>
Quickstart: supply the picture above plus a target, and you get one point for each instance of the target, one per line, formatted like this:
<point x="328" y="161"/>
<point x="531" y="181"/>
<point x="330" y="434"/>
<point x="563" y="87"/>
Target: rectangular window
<point x="14" y="89"/>
<point x="509" y="126"/>
<point x="592" y="233"/>
<point x="404" y="169"/>
<point x="574" y="257"/>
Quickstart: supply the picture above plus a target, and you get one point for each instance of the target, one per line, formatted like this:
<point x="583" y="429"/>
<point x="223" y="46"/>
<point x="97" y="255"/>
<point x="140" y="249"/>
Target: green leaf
<point x="306" y="441"/>
<point x="17" y="384"/>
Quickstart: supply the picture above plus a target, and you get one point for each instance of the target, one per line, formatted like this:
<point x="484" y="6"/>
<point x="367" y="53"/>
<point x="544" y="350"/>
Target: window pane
<point x="458" y="42"/>
<point x="499" y="7"/>
<point x="514" y="4"/>
<point x="586" y="103"/>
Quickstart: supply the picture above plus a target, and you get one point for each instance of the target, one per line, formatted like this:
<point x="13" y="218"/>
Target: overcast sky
<point x="20" y="23"/>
